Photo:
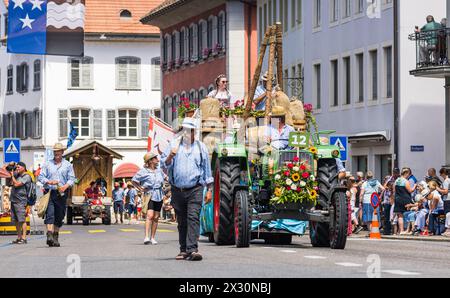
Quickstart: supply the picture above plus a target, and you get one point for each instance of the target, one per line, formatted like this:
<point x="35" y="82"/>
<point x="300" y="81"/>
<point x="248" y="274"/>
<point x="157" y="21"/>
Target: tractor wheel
<point x="327" y="176"/>
<point x="338" y="231"/>
<point x="86" y="216"/>
<point x="69" y="216"/>
<point x="242" y="219"/>
<point x="227" y="176"/>
<point x="106" y="220"/>
<point x="278" y="239"/>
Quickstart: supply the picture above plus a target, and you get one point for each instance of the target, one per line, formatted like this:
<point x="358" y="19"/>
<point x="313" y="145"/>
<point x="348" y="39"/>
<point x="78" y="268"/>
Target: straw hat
<point x="189" y="123"/>
<point x="278" y="111"/>
<point x="59" y="147"/>
<point x="149" y="156"/>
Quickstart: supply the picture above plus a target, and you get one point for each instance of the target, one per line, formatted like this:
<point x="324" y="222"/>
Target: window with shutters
<point x="22" y="78"/>
<point x="202" y="93"/>
<point x="145" y="119"/>
<point x="175" y="102"/>
<point x="37" y="75"/>
<point x="200" y="38"/>
<point x="63" y="124"/>
<point x="221" y="24"/>
<point x="9" y="85"/>
<point x="111" y="119"/>
<point x="18" y="124"/>
<point x="37" y="124"/>
<point x="128" y="121"/>
<point x="156" y="74"/>
<point x="164" y="53"/>
<point x="209" y="33"/>
<point x="128" y="73"/>
<point x="173" y="49"/>
<point x="81" y="73"/>
<point x="182" y="46"/>
<point x="23" y="125"/>
<point x="191" y="43"/>
<point x="11" y="126"/>
<point x="98" y="124"/>
<point x="80" y="119"/>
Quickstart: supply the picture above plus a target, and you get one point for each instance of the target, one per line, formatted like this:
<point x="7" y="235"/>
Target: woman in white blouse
<point x="221" y="92"/>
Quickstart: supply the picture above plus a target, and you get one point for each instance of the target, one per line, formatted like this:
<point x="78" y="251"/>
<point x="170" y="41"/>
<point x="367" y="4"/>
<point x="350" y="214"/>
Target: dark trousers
<point x="187" y="205"/>
<point x="56" y="209"/>
<point x="435" y="226"/>
<point x="387" y="216"/>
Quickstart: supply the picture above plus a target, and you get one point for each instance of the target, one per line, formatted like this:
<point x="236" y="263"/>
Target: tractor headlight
<point x="224" y="152"/>
<point x="335" y="153"/>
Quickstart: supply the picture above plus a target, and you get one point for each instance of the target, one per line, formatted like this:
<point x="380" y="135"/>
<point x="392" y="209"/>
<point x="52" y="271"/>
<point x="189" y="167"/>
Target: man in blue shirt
<point x="131" y="202"/>
<point x="189" y="170"/>
<point x="260" y="94"/>
<point x="118" y="196"/>
<point x="278" y="131"/>
<point x="58" y="177"/>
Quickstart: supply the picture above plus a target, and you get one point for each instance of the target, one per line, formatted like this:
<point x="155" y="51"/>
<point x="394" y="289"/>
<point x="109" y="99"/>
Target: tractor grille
<point x="288" y="156"/>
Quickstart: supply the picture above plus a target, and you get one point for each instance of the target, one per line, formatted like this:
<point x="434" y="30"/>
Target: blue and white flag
<point x="46" y="27"/>
<point x="72" y="135"/>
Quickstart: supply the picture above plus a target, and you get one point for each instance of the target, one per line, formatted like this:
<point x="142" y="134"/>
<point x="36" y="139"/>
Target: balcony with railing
<point x="432" y="52"/>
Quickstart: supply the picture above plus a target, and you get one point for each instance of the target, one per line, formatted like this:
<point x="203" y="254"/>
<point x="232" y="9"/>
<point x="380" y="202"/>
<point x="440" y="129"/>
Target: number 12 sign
<point x="299" y="139"/>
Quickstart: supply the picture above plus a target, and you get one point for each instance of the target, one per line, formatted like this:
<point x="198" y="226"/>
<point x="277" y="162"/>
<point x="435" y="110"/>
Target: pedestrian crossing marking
<point x="129" y="230"/>
<point x="12" y="148"/>
<point x="96" y="231"/>
<point x="349" y="264"/>
<point x="400" y="272"/>
<point x="166" y="231"/>
<point x="65" y="232"/>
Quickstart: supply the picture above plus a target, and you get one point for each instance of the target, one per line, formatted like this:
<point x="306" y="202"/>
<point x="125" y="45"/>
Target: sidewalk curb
<point x="408" y="238"/>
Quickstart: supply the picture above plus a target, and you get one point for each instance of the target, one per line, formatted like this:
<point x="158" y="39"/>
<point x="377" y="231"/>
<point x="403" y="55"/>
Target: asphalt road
<point x="118" y="251"/>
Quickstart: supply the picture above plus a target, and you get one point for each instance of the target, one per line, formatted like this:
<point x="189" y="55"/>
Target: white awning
<point x="373" y="136"/>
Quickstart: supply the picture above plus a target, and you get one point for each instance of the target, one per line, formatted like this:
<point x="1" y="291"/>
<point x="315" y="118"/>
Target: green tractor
<point x="243" y="190"/>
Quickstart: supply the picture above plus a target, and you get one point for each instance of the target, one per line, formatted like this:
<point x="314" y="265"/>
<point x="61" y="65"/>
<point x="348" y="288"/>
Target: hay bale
<point x="210" y="108"/>
<point x="298" y="112"/>
<point x="282" y="100"/>
<point x="211" y="141"/>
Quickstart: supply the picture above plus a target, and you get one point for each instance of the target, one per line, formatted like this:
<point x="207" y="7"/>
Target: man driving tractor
<point x="278" y="131"/>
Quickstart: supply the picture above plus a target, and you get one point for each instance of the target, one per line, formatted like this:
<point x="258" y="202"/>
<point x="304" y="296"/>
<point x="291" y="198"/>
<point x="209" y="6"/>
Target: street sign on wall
<point x="342" y="143"/>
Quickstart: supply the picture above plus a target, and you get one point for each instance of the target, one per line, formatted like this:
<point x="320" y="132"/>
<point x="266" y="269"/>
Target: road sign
<point x="375" y="200"/>
<point x="342" y="143"/>
<point x="11" y="150"/>
<point x="299" y="139"/>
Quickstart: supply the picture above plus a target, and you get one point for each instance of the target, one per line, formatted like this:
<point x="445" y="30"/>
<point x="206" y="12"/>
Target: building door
<point x="360" y="164"/>
<point x="384" y="166"/>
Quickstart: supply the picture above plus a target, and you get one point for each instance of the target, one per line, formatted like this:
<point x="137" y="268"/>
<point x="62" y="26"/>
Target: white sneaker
<point x="154" y="242"/>
<point x="147" y="241"/>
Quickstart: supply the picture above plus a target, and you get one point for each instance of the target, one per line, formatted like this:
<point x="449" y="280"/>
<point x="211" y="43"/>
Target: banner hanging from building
<point x="46" y="27"/>
<point x="159" y="135"/>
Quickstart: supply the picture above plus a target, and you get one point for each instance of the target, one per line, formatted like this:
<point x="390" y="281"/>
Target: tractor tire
<point x="327" y="176"/>
<point x="278" y="239"/>
<point x="242" y="219"/>
<point x="106" y="220"/>
<point x="322" y="234"/>
<point x="227" y="176"/>
<point x="69" y="216"/>
<point x="86" y="216"/>
<point x="338" y="232"/>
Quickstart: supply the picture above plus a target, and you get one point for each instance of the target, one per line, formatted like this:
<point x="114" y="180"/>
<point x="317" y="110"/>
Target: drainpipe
<point x="396" y="84"/>
<point x="447" y="104"/>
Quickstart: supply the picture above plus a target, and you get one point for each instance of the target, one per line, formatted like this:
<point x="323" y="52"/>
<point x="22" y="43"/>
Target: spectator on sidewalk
<point x="387" y="201"/>
<point x="433" y="177"/>
<point x="444" y="188"/>
<point x="422" y="208"/>
<point x="359" y="182"/>
<point x="369" y="187"/>
<point x="412" y="182"/>
<point x="351" y="196"/>
<point x="436" y="209"/>
<point x="402" y="191"/>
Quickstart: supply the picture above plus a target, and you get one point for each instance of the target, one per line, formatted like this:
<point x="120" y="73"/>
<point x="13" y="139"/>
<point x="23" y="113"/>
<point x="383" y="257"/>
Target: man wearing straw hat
<point x="58" y="177"/>
<point x="278" y="131"/>
<point x="187" y="162"/>
<point x="261" y="93"/>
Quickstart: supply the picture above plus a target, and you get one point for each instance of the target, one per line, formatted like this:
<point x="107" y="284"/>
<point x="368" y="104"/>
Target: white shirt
<point x="446" y="185"/>
<point x="223" y="96"/>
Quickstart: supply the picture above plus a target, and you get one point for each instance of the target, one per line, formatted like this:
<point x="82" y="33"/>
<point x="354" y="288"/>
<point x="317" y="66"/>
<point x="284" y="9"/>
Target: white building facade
<point x="108" y="95"/>
<point x="345" y="53"/>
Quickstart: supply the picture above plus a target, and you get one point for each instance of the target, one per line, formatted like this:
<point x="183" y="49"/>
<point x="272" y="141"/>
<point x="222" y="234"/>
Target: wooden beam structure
<point x="269" y="86"/>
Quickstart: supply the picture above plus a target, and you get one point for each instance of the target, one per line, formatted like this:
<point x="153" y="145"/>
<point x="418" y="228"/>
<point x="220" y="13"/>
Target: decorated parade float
<point x="261" y="192"/>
